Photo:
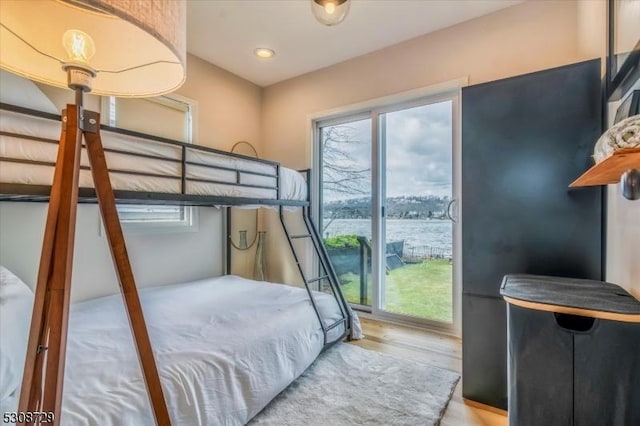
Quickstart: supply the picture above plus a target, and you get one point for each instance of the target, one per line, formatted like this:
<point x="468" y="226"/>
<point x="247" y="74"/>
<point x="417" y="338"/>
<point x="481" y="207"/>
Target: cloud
<point x="419" y="151"/>
<point x="418" y="145"/>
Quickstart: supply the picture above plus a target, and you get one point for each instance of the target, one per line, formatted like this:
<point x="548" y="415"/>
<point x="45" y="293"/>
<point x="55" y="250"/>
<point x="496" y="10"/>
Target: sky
<point x="418" y="146"/>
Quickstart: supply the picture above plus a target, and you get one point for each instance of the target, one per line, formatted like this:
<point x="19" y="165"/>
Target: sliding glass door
<point x="417" y="228"/>
<point x="388" y="191"/>
<point x="345" y="193"/>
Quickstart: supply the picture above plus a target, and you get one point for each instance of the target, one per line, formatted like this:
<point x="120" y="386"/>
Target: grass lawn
<point x="421" y="289"/>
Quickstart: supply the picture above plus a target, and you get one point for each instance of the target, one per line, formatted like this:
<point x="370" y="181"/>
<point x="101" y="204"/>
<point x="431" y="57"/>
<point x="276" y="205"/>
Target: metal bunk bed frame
<point x="40" y="193"/>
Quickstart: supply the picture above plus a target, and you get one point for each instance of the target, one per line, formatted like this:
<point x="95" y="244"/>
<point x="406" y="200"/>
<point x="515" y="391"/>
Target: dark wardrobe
<point x="524" y="140"/>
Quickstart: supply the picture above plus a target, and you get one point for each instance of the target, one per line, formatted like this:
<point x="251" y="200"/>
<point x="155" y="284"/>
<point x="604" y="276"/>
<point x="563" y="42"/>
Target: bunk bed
<point x="225" y="346"/>
<point x="142" y="168"/>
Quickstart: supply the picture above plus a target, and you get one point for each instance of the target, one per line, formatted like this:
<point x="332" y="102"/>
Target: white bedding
<point x="224" y="347"/>
<point x="292" y="183"/>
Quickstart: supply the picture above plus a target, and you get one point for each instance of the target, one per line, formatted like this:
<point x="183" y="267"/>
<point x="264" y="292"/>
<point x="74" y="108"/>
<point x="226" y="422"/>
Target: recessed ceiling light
<point x="264" y="53"/>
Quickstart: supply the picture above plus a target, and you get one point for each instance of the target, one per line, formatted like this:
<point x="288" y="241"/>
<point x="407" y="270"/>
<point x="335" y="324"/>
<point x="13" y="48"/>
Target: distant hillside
<point x="407" y="207"/>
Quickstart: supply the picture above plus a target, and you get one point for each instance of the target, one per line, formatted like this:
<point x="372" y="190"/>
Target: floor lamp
<point x="132" y="49"/>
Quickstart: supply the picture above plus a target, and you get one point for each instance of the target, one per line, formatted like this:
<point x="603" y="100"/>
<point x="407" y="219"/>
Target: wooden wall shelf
<point x="610" y="169"/>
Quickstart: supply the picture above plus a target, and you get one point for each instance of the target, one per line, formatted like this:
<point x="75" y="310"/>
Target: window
<point x="143" y="216"/>
<point x="166" y="116"/>
<point x="388" y="192"/>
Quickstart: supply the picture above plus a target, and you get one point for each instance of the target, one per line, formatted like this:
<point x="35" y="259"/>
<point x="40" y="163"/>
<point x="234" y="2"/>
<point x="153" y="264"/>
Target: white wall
<point x="524" y="38"/>
<point x="156" y="258"/>
<point x="229" y="107"/>
<point x="228" y="111"/>
<point x="623" y="241"/>
<point x="623" y="216"/>
<point x="527" y="37"/>
<point x="623" y="233"/>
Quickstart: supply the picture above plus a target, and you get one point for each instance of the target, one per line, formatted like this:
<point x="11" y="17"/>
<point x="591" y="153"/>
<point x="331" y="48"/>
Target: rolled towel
<point x="625" y="134"/>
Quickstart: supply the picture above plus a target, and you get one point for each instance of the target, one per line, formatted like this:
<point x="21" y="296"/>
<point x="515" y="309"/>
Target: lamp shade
<point x="140" y="46"/>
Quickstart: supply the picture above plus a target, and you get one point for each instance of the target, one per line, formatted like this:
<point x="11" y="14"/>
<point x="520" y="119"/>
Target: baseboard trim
<point x="411" y="324"/>
<point x="485" y="407"/>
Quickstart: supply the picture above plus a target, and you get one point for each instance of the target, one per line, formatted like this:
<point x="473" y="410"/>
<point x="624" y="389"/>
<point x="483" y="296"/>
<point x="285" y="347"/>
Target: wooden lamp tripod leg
<point x="113" y="229"/>
<point x="43" y="376"/>
<point x="48" y="333"/>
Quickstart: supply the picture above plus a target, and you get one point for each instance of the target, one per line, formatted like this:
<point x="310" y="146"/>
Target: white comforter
<point x="224" y="347"/>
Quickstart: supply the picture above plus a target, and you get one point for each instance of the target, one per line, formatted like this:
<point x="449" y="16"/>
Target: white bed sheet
<point x="292" y="184"/>
<point x="224" y="347"/>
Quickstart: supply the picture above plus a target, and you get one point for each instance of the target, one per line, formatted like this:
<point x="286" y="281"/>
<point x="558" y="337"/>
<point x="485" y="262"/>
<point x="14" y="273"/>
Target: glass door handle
<point x="449" y="215"/>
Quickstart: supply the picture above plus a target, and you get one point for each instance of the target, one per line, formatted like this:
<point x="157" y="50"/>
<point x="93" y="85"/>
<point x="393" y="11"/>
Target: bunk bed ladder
<point x="327" y="266"/>
<point x="329" y="273"/>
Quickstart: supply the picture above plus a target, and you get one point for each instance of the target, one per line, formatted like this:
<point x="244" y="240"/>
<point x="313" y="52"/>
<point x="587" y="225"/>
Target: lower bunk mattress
<point x="224" y="346"/>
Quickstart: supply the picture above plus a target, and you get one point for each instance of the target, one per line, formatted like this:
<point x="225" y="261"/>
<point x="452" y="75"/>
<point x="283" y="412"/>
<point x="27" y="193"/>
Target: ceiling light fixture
<point x="264" y="53"/>
<point x="330" y="12"/>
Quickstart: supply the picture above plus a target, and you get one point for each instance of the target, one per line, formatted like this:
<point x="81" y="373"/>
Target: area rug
<point x="348" y="385"/>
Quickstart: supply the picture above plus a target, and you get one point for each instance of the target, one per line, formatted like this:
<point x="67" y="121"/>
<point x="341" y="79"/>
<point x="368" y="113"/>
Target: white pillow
<point x="16" y="303"/>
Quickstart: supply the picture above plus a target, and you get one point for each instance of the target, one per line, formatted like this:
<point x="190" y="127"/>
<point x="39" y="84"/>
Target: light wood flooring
<point x="431" y="348"/>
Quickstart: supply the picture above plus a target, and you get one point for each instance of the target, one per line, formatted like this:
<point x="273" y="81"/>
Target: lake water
<point x="416" y="233"/>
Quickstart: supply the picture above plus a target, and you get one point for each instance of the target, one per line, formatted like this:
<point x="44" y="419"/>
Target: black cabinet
<point x="485" y="330"/>
<point x="573" y="352"/>
<point x="524" y="140"/>
<point x="607" y="374"/>
<point x="534" y="341"/>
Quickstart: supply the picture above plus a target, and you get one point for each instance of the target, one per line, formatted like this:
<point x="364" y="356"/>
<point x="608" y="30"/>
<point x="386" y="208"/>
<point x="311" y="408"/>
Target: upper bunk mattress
<point x="206" y="173"/>
<point x="224" y="347"/>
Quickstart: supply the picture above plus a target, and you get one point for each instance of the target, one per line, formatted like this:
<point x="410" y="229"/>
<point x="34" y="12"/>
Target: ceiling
<point x="226" y="32"/>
